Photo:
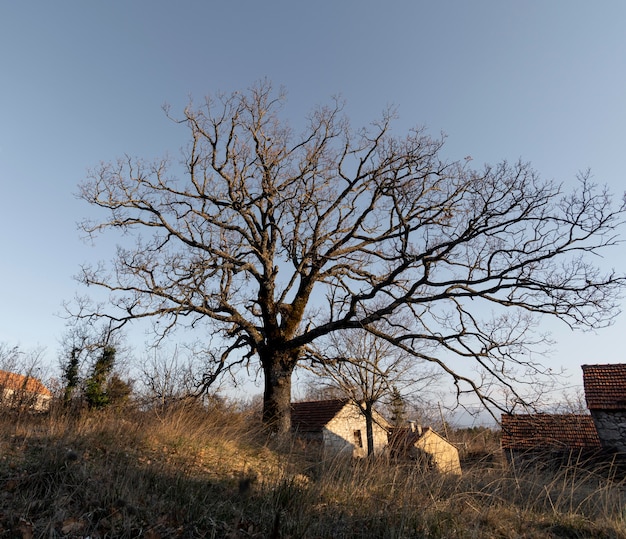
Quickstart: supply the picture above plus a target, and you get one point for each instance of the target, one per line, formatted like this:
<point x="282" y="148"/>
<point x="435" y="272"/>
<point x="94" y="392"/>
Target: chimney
<point x="415" y="427"/>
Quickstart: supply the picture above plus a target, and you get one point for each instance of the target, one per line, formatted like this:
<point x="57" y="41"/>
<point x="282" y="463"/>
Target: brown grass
<point x="192" y="472"/>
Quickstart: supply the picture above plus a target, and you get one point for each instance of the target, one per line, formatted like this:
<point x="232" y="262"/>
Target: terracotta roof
<point x="312" y="416"/>
<point x="402" y="438"/>
<point x="549" y="432"/>
<point x="18" y="382"/>
<point x="605" y="386"/>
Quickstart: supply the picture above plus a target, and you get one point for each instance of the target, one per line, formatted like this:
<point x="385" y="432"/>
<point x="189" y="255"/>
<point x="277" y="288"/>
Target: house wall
<point x="24" y="399"/>
<point x="339" y="434"/>
<point x="443" y="455"/>
<point x="611" y="427"/>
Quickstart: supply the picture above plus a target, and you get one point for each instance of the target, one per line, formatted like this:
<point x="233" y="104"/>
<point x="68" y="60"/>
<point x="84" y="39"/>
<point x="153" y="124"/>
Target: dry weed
<point x="194" y="472"/>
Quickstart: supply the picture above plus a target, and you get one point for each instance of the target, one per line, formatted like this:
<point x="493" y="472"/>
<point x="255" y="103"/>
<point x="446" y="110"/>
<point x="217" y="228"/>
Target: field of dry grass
<point x="199" y="473"/>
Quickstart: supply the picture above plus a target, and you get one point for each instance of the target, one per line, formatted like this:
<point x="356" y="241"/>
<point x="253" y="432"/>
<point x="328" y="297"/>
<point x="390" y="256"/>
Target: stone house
<point x="549" y="437"/>
<point x="605" y="393"/>
<point x="425" y="446"/>
<point x="337" y="427"/>
<point x="26" y="392"/>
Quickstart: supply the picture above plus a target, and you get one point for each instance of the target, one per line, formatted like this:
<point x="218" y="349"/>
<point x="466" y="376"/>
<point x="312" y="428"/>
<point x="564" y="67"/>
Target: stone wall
<point x="36" y="402"/>
<point x="340" y="434"/>
<point x="444" y="456"/>
<point x="611" y="427"/>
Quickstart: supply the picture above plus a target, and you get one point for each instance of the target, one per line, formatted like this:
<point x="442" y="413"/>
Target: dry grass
<point x="194" y="473"/>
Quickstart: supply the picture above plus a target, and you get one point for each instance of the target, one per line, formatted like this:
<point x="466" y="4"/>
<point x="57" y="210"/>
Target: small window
<point x="358" y="439"/>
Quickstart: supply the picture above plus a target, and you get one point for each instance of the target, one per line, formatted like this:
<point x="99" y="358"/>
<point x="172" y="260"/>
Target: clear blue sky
<point x="83" y="82"/>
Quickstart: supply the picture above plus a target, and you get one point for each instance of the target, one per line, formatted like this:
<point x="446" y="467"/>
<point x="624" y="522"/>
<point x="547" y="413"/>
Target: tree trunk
<point x="369" y="427"/>
<point x="277" y="369"/>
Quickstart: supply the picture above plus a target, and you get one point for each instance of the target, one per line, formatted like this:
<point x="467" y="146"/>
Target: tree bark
<point x="369" y="428"/>
<point x="277" y="369"/>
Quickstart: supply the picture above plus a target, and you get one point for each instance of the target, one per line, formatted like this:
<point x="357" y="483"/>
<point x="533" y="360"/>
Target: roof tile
<point x="19" y="382"/>
<point x="312" y="416"/>
<point x="549" y="432"/>
<point x="605" y="386"/>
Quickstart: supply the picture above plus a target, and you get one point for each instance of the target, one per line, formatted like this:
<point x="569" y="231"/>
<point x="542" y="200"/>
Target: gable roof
<point x="605" y="386"/>
<point x="549" y="432"/>
<point x="312" y="416"/>
<point x="19" y="382"/>
<point x="402" y="438"/>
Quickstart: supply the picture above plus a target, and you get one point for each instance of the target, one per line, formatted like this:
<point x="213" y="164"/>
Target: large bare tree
<point x="276" y="239"/>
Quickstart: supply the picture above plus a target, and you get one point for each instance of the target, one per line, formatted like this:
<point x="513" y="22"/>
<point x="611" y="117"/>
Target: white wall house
<point x="26" y="392"/>
<point x="338" y="426"/>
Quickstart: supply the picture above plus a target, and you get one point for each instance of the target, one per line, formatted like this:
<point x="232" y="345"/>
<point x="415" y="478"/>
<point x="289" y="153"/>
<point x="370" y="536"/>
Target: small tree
<point x="10" y="357"/>
<point x="167" y="379"/>
<point x="96" y="384"/>
<point x="71" y="376"/>
<point x="118" y="391"/>
<point x="276" y="239"/>
<point x="397" y="407"/>
<point x="88" y="361"/>
<point x="367" y="370"/>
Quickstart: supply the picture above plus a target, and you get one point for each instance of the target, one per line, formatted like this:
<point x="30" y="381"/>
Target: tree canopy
<point x="275" y="239"/>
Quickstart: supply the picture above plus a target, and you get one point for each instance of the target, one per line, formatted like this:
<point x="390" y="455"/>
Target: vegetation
<point x="189" y="471"/>
<point x="96" y="394"/>
<point x="268" y="239"/>
<point x="367" y="370"/>
<point x="89" y="365"/>
<point x="71" y="376"/>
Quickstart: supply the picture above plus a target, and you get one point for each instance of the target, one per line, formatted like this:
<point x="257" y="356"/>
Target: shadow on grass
<point x="194" y="474"/>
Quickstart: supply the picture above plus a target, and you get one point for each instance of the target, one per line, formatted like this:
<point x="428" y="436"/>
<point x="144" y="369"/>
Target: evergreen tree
<point x="397" y="407"/>
<point x="71" y="376"/>
<point x="96" y="386"/>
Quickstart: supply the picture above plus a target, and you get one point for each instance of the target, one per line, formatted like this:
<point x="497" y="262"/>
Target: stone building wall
<point x="347" y="433"/>
<point x="444" y="456"/>
<point x="611" y="427"/>
<point x="36" y="402"/>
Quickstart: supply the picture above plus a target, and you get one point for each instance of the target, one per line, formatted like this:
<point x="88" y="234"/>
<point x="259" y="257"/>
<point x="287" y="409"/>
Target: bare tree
<point x="275" y="239"/>
<point x="571" y="401"/>
<point x="169" y="378"/>
<point x="368" y="370"/>
<point x="18" y="392"/>
<point x="10" y="357"/>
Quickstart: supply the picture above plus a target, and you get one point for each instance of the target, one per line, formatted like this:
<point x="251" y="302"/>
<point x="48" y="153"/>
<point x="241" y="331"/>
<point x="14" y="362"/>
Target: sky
<point x="85" y="82"/>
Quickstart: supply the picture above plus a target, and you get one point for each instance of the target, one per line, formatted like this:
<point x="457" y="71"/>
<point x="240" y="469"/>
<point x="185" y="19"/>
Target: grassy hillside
<point x="199" y="473"/>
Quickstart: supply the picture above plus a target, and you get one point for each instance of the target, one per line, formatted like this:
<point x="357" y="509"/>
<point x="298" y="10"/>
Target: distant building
<point x="605" y="393"/>
<point x="561" y="437"/>
<point x="25" y="392"/>
<point x="426" y="447"/>
<point x="337" y="426"/>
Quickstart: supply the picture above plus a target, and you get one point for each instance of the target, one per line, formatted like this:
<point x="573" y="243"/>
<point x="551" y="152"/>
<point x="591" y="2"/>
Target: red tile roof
<point x="312" y="416"/>
<point x="18" y="382"/>
<point x="549" y="432"/>
<point x="402" y="438"/>
<point x="605" y="386"/>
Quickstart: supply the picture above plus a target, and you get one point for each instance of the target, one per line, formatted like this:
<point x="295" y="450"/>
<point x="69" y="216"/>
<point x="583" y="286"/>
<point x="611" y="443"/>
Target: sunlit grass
<point x="197" y="472"/>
